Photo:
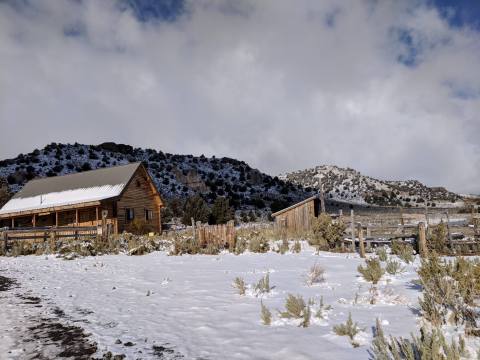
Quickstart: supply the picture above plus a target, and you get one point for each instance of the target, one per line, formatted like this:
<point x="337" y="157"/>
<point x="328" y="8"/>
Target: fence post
<point x="448" y="230"/>
<point x="360" y="240"/>
<point x="193" y="228"/>
<point x="5" y="242"/>
<point x="352" y="228"/>
<point x="422" y="242"/>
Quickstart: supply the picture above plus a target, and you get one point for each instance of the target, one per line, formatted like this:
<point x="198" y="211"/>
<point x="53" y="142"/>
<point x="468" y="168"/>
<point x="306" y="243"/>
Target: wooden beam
<point x="76" y="217"/>
<point x="33" y="220"/>
<point x="159" y="219"/>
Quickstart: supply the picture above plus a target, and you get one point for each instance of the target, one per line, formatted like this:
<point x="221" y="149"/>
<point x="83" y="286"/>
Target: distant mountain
<point x="348" y="185"/>
<point x="176" y="176"/>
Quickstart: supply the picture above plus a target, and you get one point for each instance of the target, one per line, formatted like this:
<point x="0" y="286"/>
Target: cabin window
<point x="139" y="183"/>
<point x="129" y="214"/>
<point x="148" y="214"/>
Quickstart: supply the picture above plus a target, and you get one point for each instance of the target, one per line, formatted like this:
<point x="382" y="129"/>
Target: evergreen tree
<point x="195" y="207"/>
<point x="221" y="211"/>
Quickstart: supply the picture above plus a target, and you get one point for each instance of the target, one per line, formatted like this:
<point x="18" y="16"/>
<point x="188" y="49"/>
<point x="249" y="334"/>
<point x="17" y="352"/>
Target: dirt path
<point x="34" y="328"/>
<point x="30" y="329"/>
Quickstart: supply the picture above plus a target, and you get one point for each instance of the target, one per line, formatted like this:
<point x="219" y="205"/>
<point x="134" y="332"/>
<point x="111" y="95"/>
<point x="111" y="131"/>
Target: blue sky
<point x="460" y="12"/>
<point x="390" y="88"/>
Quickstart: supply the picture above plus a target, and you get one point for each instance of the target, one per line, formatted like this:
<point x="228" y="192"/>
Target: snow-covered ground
<point x="187" y="303"/>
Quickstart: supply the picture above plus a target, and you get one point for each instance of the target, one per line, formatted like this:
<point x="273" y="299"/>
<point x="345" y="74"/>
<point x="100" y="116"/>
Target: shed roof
<point x="65" y="190"/>
<point x="295" y="205"/>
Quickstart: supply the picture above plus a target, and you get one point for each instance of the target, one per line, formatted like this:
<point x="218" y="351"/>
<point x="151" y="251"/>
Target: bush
<point x="240" y="245"/>
<point x="428" y="345"/>
<point x="438" y="239"/>
<point x="239" y="284"/>
<point x="372" y="271"/>
<point x="297" y="247"/>
<point x="451" y="290"/>
<point x="263" y="285"/>
<point x="296" y="308"/>
<point x="265" y="315"/>
<point x="403" y="251"/>
<point x="258" y="244"/>
<point x="325" y="233"/>
<point x="394" y="267"/>
<point x="315" y="275"/>
<point x="382" y="253"/>
<point x="349" y="329"/>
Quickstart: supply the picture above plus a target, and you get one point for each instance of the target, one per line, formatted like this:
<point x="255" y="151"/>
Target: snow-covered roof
<point x="66" y="190"/>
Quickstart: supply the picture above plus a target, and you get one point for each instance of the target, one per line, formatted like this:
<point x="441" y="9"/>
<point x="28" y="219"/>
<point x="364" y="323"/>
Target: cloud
<point x="389" y="88"/>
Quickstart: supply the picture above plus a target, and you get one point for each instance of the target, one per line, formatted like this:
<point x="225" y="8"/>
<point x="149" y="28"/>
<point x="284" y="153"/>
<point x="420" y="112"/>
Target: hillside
<point x="348" y="185"/>
<point x="176" y="176"/>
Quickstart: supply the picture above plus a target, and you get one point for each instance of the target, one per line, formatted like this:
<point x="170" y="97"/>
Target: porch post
<point x="13" y="222"/>
<point x="160" y="220"/>
<point x="96" y="218"/>
<point x="56" y="218"/>
<point x="34" y="220"/>
<point x="76" y="217"/>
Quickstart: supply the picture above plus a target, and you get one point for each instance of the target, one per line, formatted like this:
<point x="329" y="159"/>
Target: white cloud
<point x="282" y="87"/>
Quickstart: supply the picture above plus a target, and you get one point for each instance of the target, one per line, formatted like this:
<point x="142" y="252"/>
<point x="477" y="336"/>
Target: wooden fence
<point x="219" y="235"/>
<point x="39" y="234"/>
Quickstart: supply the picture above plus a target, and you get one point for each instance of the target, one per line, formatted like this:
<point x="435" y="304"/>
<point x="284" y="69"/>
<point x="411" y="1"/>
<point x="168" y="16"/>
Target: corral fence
<point x="463" y="236"/>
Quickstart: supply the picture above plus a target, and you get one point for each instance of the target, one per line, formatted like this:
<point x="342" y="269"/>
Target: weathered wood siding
<point x="139" y="195"/>
<point x="298" y="218"/>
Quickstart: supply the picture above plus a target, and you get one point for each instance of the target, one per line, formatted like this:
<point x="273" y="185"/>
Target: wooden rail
<point x="46" y="233"/>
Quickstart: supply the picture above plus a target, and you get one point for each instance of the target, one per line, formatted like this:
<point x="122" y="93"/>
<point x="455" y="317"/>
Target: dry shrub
<point x="315" y="275"/>
<point x="297" y="247"/>
<point x="381" y="252"/>
<point x="437" y="241"/>
<point x="430" y="345"/>
<point x="372" y="272"/>
<point x="403" y="251"/>
<point x="349" y="329"/>
<point x="265" y="315"/>
<point x="240" y="246"/>
<point x="326" y="234"/>
<point x="394" y="267"/>
<point x="296" y="308"/>
<point x="263" y="285"/>
<point x="451" y="291"/>
<point x="240" y="285"/>
<point x="258" y="244"/>
<point x="283" y="248"/>
<point x="185" y="244"/>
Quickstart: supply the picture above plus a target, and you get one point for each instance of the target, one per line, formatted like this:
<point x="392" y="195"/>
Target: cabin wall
<point x="139" y="196"/>
<point x="297" y="219"/>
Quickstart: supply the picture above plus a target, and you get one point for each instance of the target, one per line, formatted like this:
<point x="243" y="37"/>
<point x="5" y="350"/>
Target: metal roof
<point x="88" y="186"/>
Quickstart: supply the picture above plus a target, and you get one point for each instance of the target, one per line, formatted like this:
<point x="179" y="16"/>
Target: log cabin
<point x="298" y="217"/>
<point x="125" y="195"/>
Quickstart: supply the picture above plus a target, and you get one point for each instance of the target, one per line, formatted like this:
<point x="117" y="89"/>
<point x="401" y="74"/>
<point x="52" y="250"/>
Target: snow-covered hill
<point x="345" y="184"/>
<point x="175" y="175"/>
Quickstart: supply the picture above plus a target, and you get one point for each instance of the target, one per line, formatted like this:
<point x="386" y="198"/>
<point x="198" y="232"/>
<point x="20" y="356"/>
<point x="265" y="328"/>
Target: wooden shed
<point x="122" y="193"/>
<point x="298" y="217"/>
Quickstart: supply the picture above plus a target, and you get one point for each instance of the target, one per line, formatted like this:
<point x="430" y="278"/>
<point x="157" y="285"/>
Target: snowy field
<point x="186" y="305"/>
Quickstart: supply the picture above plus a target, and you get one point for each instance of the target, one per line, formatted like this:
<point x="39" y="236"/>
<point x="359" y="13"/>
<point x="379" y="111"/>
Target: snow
<point x="62" y="198"/>
<point x="188" y="302"/>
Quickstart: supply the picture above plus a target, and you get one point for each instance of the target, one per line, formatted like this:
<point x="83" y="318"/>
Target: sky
<point x="389" y="88"/>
